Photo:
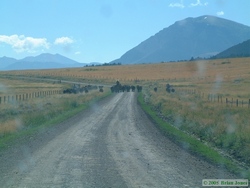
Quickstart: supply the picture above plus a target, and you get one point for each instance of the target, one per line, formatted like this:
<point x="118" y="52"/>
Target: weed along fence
<point x="228" y="101"/>
<point x="217" y="98"/>
<point x="26" y="96"/>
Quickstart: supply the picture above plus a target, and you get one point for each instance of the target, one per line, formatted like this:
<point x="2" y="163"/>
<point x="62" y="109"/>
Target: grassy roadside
<point x="35" y="121"/>
<point x="191" y="144"/>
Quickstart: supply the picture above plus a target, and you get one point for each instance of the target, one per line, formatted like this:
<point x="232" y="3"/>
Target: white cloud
<point x="63" y="41"/>
<point x="24" y="44"/>
<point x="220" y="13"/>
<point x="181" y="4"/>
<point x="198" y="3"/>
<point x="177" y="5"/>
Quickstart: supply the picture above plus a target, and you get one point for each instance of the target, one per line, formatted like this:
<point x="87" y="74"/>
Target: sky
<point x="98" y="30"/>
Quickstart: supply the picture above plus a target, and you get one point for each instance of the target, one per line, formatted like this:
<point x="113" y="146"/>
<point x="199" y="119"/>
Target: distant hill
<point x="239" y="50"/>
<point x="43" y="61"/>
<point x="6" y="61"/>
<point x="47" y="57"/>
<point x="203" y="36"/>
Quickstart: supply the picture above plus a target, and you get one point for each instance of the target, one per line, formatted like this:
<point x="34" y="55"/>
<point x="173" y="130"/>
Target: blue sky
<point x="98" y="30"/>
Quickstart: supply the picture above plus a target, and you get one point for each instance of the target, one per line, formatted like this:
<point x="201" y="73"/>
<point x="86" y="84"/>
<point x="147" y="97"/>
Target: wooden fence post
<point x="237" y="102"/>
<point x="0" y="100"/>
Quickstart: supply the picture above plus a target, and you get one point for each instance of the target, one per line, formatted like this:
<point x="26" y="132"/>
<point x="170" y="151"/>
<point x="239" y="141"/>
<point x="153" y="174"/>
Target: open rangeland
<point x="210" y="104"/>
<point x="28" y="102"/>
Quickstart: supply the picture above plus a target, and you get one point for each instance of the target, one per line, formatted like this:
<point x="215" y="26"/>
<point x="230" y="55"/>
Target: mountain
<point x="47" y="57"/>
<point x="239" y="50"/>
<point x="43" y="61"/>
<point x="6" y="61"/>
<point x="203" y="36"/>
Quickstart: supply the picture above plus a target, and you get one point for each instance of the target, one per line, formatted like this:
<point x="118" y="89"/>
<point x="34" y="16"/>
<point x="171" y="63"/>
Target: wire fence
<point x="217" y="98"/>
<point x="6" y="99"/>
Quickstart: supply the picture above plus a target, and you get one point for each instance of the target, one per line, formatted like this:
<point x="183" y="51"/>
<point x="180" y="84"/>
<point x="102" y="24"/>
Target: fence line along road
<point x="217" y="98"/>
<point x="26" y="96"/>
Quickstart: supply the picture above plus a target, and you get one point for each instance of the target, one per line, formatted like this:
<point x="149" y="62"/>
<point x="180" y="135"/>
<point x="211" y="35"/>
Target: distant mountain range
<point x="204" y="36"/>
<point x="191" y="38"/>
<point x="239" y="50"/>
<point x="43" y="61"/>
<point x="6" y="61"/>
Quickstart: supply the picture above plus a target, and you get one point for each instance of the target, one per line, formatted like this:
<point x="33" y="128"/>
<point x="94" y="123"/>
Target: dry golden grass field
<point x="30" y="102"/>
<point x="229" y="77"/>
<point x="18" y="86"/>
<point x="204" y="70"/>
<point x="210" y="76"/>
<point x="198" y="106"/>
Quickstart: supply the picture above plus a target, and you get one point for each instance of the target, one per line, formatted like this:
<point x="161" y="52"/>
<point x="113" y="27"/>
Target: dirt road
<point x="113" y="144"/>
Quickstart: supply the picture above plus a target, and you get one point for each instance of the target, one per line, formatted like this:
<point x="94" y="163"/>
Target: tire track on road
<point x="146" y="158"/>
<point x="68" y="160"/>
<point x="112" y="144"/>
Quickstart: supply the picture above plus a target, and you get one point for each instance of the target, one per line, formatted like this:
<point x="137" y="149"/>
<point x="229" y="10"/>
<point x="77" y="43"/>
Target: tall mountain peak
<point x="203" y="36"/>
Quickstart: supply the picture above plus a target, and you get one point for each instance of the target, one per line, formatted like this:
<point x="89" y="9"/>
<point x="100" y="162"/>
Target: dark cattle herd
<point x="118" y="87"/>
<point x="77" y="88"/>
<point x="169" y="88"/>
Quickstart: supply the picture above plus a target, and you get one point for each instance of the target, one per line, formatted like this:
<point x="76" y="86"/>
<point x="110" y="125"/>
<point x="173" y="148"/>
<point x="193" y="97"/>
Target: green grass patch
<point x="191" y="144"/>
<point x="38" y="120"/>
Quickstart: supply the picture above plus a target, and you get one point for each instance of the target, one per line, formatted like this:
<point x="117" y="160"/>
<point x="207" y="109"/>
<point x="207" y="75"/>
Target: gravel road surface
<point x="112" y="144"/>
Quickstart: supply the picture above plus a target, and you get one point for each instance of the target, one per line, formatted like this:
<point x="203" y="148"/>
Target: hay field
<point x="229" y="69"/>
